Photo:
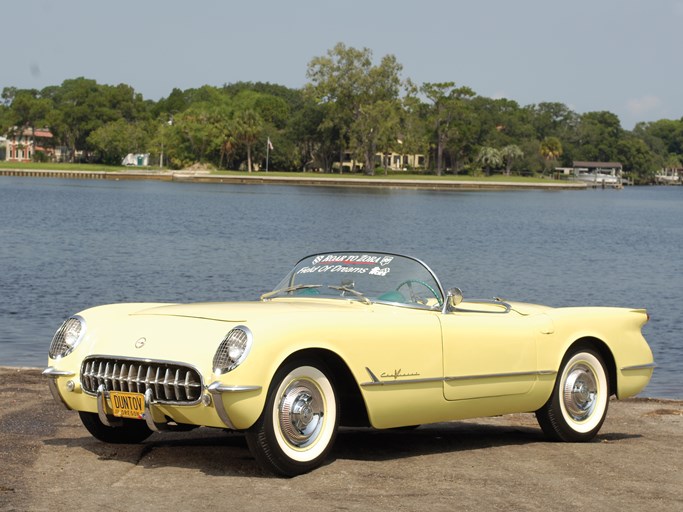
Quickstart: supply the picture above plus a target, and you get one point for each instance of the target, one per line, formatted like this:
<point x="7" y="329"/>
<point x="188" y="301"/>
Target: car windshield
<point x="363" y="276"/>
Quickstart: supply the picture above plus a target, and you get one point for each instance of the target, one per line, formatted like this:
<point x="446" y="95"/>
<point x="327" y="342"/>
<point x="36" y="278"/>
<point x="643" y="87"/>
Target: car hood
<point x="191" y="332"/>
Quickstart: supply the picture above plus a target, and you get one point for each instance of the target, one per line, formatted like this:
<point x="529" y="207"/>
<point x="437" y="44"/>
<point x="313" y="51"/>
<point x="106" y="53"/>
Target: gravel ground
<point x="50" y="462"/>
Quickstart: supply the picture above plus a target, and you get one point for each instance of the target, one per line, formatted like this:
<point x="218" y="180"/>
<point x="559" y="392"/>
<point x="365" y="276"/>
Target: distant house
<point x="402" y="161"/>
<point x="21" y="146"/>
<point x="391" y="161"/>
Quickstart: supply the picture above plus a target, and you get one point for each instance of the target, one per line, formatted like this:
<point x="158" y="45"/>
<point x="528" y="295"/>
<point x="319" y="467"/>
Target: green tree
<point x="673" y="162"/>
<point x="198" y="132"/>
<point x="247" y="127"/>
<point x="637" y="159"/>
<point x="82" y="105"/>
<point x="350" y="84"/>
<point x="175" y="102"/>
<point x="664" y="137"/>
<point x="509" y="155"/>
<point x="27" y="110"/>
<point x="316" y="140"/>
<point x="447" y="101"/>
<point x="551" y="119"/>
<point x="414" y="129"/>
<point x="551" y="150"/>
<point x="116" y="139"/>
<point x="598" y="135"/>
<point x="490" y="157"/>
<point x="375" y="129"/>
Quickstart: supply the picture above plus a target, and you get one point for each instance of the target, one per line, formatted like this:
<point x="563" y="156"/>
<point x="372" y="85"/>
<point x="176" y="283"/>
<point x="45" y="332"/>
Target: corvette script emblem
<point x="140" y="343"/>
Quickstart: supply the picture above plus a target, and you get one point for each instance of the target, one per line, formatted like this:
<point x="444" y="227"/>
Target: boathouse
<point x="598" y="173"/>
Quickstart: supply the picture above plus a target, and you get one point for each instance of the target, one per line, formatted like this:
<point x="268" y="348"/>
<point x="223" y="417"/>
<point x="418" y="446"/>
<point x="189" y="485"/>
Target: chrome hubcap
<point x="580" y="392"/>
<point x="300" y="413"/>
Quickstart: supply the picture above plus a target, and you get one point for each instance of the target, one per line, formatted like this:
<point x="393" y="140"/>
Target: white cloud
<point x="643" y="105"/>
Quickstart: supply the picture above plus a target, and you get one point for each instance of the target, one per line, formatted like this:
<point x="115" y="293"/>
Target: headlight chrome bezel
<point x="239" y="339"/>
<point x="66" y="339"/>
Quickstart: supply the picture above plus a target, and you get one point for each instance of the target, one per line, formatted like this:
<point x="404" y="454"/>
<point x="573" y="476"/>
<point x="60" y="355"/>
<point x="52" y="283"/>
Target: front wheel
<point x="578" y="406"/>
<point x="130" y="432"/>
<point x="298" y="426"/>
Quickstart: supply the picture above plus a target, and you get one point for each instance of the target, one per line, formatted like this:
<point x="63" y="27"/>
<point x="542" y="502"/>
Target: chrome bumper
<point x="112" y="421"/>
<point x="53" y="373"/>
<point x="217" y="389"/>
<point x="215" y="395"/>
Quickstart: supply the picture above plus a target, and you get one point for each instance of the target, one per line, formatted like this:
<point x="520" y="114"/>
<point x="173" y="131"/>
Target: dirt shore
<point x="49" y="462"/>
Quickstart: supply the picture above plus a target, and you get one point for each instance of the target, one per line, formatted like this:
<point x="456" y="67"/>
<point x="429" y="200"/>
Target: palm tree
<point x="510" y="154"/>
<point x="489" y="157"/>
<point x="247" y="127"/>
<point x="551" y="149"/>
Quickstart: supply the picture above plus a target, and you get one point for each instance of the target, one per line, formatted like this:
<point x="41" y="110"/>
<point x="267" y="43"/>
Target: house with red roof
<point x="22" y="145"/>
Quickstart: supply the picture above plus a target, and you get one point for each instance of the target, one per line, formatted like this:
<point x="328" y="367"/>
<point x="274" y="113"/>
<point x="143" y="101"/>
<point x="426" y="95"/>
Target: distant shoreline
<point x="318" y="180"/>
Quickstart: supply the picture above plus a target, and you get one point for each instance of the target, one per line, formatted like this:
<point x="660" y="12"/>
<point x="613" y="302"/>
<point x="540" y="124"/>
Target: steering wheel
<point x="414" y="296"/>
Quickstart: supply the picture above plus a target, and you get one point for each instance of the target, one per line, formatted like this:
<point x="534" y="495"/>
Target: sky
<point x="622" y="56"/>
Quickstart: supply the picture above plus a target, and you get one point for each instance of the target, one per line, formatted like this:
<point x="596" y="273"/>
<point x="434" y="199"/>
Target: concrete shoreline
<point x="50" y="462"/>
<point x="315" y="179"/>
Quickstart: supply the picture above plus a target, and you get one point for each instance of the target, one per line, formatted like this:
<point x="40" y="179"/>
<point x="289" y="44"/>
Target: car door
<point x="396" y="354"/>
<point x="488" y="354"/>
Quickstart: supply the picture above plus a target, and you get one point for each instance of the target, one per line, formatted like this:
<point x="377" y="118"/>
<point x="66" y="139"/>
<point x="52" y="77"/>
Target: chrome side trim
<point x="501" y="375"/>
<point x="217" y="389"/>
<point x="635" y="367"/>
<point x="398" y="382"/>
<point x="377" y="382"/>
<point x="53" y="373"/>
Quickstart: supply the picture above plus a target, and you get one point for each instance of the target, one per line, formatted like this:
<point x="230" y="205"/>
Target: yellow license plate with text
<point x="127" y="405"/>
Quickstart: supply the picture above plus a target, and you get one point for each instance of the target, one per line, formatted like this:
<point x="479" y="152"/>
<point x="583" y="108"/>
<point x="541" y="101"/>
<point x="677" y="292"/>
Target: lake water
<point x="69" y="244"/>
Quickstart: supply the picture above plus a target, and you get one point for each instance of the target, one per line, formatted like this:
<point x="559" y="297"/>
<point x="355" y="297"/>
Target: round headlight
<point x="67" y="337"/>
<point x="233" y="350"/>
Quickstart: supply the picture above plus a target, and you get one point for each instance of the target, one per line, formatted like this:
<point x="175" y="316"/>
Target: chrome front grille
<point x="171" y="383"/>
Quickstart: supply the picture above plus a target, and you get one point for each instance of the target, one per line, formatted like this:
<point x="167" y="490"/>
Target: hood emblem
<point x="140" y="343"/>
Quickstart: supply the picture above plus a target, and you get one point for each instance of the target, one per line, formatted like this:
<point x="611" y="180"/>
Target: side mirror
<point x="453" y="298"/>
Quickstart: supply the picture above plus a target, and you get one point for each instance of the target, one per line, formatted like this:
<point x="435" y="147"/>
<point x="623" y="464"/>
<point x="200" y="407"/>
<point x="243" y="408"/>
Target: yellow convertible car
<point x="348" y="338"/>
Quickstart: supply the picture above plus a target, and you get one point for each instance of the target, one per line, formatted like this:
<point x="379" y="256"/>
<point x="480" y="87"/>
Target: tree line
<point x="351" y="106"/>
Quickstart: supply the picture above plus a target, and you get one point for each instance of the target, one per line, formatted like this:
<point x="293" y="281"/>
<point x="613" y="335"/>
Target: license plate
<point x="127" y="405"/>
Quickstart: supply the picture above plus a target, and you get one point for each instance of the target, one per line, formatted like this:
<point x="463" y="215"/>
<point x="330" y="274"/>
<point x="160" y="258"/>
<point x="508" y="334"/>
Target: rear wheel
<point x="130" y="432"/>
<point x="299" y="423"/>
<point x="578" y="406"/>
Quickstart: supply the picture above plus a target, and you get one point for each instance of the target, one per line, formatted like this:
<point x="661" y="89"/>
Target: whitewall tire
<point x="578" y="405"/>
<point x="299" y="423"/>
